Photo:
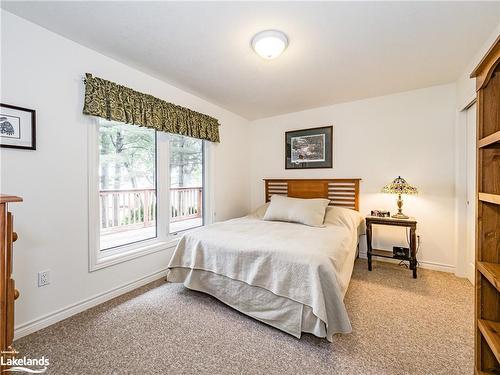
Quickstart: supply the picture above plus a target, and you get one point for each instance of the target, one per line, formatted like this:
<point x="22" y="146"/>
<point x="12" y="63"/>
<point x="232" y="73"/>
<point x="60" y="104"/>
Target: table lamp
<point x="399" y="186"/>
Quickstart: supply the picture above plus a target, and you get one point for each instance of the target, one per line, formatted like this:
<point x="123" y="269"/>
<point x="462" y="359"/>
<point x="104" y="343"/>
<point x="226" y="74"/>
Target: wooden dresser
<point x="8" y="293"/>
<point x="487" y="315"/>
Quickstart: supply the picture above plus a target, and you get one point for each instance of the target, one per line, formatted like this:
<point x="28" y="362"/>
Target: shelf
<point x="491" y="271"/>
<point x="491" y="333"/>
<point x="381" y="253"/>
<point x="489" y="140"/>
<point x="386" y="254"/>
<point x="490" y="198"/>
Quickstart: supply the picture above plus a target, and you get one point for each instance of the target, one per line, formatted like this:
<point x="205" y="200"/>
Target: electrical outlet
<point x="43" y="278"/>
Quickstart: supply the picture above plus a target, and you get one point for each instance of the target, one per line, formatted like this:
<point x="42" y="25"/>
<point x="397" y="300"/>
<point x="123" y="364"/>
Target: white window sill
<point x="128" y="252"/>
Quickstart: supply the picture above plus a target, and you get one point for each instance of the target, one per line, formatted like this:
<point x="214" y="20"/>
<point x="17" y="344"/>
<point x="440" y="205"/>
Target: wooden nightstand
<point x="408" y="223"/>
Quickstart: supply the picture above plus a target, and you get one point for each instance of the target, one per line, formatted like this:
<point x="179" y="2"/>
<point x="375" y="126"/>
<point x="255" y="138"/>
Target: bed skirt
<point x="280" y="312"/>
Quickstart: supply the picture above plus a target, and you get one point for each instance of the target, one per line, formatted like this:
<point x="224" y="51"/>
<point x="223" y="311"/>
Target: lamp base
<point x="400" y="216"/>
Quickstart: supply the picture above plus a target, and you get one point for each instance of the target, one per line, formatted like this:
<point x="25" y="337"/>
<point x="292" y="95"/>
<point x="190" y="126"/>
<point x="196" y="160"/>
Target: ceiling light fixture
<point x="269" y="44"/>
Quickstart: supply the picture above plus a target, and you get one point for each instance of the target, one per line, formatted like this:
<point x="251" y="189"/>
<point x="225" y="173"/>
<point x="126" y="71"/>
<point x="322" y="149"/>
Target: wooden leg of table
<point x="413" y="251"/>
<point x="369" y="246"/>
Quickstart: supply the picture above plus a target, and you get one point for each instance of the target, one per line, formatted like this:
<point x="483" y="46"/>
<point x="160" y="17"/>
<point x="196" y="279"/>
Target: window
<point x="186" y="183"/>
<point x="145" y="187"/>
<point x="127" y="184"/>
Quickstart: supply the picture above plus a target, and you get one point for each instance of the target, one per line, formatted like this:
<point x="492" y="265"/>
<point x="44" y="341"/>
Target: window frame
<point x="99" y="259"/>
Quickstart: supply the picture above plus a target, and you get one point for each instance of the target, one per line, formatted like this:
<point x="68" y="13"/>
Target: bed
<point x="291" y="276"/>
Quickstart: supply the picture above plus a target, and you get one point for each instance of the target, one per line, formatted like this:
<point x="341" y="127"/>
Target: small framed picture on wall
<point x="309" y="148"/>
<point x="17" y="127"/>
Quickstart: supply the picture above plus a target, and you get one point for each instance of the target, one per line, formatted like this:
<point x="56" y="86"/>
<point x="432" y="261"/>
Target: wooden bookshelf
<point x="487" y="280"/>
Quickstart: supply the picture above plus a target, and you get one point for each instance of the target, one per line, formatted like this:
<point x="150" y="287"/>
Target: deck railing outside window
<point x="123" y="210"/>
<point x="185" y="203"/>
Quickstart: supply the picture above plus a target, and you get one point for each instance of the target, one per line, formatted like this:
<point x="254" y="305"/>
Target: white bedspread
<point x="308" y="265"/>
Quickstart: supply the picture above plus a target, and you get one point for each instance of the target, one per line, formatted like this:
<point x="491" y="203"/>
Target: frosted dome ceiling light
<point x="269" y="44"/>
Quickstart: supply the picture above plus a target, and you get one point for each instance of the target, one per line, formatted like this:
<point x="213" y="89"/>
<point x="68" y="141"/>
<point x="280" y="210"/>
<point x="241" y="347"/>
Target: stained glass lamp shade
<point x="399" y="186"/>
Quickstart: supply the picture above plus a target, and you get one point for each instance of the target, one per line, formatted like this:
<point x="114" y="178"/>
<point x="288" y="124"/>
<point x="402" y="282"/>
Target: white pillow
<point x="343" y="216"/>
<point x="304" y="211"/>
<point x="260" y="212"/>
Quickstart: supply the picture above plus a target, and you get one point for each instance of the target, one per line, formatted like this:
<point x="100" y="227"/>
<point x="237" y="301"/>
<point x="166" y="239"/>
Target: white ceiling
<point x="338" y="51"/>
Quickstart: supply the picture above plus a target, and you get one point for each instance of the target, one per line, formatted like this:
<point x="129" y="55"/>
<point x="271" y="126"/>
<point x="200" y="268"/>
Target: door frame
<point x="463" y="268"/>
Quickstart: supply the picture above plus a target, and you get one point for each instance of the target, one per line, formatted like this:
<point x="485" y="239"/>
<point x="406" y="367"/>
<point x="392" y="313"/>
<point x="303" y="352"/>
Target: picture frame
<point x="17" y="127"/>
<point x="309" y="148"/>
<point x="380" y="213"/>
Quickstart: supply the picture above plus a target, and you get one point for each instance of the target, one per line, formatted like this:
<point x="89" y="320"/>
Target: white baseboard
<point x="422" y="264"/>
<point x="437" y="266"/>
<point x="56" y="316"/>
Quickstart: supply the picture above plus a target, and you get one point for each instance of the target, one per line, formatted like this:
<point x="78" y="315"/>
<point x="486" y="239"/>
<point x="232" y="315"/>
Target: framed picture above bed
<point x="17" y="127"/>
<point x="309" y="148"/>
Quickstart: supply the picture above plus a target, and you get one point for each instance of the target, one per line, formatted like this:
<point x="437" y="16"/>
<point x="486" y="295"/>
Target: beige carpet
<point x="401" y="326"/>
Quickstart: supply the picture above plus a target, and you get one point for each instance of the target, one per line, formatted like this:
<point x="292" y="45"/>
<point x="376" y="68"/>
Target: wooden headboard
<point x="342" y="192"/>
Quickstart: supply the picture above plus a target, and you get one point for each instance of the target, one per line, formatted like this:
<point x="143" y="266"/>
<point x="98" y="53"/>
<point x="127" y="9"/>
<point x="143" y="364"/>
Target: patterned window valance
<point x="114" y="102"/>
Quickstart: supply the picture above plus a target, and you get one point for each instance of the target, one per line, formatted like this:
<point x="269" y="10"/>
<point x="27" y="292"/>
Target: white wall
<point x="43" y="71"/>
<point x="466" y="94"/>
<point x="409" y="134"/>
